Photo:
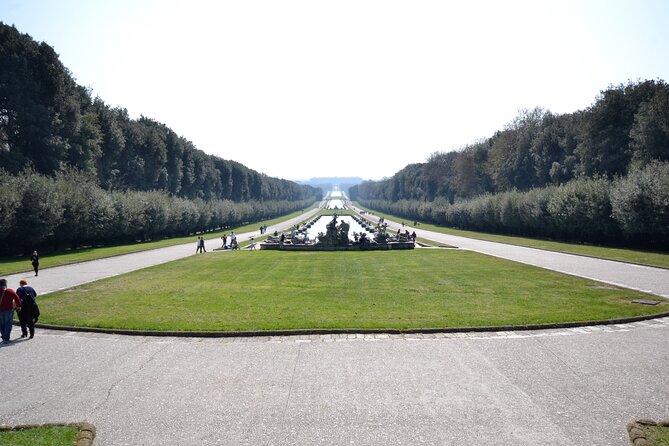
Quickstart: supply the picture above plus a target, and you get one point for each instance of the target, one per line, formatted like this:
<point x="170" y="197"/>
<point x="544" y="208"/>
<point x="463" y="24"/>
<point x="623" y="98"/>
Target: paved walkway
<point x="637" y="277"/>
<point x="553" y="387"/>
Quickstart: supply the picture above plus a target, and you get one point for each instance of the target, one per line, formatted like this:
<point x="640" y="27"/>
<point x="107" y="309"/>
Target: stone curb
<point x="230" y="334"/>
<point x="85" y="436"/>
<point x="637" y="435"/>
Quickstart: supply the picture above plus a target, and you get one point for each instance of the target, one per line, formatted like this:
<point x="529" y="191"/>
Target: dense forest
<point x="596" y="175"/>
<point x="53" y="132"/>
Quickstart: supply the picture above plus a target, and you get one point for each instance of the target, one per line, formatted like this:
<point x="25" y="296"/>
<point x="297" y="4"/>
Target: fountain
<point x="336" y="237"/>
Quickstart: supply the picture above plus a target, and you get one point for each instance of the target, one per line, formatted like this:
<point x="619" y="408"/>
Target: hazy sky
<point x="298" y="89"/>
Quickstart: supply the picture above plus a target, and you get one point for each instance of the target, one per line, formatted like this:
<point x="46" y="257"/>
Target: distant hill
<point x="332" y="183"/>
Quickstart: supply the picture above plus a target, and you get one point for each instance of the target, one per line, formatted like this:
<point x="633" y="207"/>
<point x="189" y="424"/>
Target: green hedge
<point x="633" y="209"/>
<point x="40" y="212"/>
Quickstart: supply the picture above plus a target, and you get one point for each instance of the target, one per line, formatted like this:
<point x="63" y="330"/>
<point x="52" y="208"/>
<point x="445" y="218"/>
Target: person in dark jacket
<point x="34" y="259"/>
<point x="29" y="313"/>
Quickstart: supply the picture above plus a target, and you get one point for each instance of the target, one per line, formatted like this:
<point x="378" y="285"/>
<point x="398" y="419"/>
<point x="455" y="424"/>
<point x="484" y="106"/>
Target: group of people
<point x="411" y="236"/>
<point x="24" y="302"/>
<point x="263" y="229"/>
<point x="233" y="241"/>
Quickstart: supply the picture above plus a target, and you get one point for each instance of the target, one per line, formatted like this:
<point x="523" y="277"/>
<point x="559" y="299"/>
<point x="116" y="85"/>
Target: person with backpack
<point x="29" y="313"/>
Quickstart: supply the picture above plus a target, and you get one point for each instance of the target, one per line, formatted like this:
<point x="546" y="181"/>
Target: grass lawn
<point x="268" y="290"/>
<point x="657" y="435"/>
<point x="659" y="259"/>
<point x="40" y="436"/>
<point x="21" y="264"/>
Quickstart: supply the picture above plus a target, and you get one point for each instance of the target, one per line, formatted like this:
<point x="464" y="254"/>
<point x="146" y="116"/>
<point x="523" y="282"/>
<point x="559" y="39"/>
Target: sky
<point x="302" y="89"/>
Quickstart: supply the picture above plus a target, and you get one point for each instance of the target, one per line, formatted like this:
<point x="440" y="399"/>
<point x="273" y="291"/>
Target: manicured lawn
<point x="650" y="258"/>
<point x="40" y="436"/>
<point x="268" y="290"/>
<point x="21" y="264"/>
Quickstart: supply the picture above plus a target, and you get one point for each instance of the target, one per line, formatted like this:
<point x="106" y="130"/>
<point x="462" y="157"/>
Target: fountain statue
<point x="336" y="235"/>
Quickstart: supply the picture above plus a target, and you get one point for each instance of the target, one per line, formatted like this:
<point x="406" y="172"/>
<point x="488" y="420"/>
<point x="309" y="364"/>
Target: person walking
<point x="198" y="246"/>
<point x="253" y="244"/>
<point x="34" y="259"/>
<point x="9" y="301"/>
<point x="29" y="313"/>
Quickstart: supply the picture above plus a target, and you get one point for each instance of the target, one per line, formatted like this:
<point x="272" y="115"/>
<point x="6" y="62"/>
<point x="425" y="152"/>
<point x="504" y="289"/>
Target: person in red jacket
<point x="9" y="301"/>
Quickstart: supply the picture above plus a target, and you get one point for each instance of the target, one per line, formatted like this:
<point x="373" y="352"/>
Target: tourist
<point x="34" y="259"/>
<point x="9" y="301"/>
<point x="202" y="244"/>
<point x="282" y="239"/>
<point x="225" y="241"/>
<point x="29" y="312"/>
<point x="198" y="246"/>
<point x="233" y="240"/>
<point x="413" y="236"/>
<point x="260" y="229"/>
<point x="253" y="244"/>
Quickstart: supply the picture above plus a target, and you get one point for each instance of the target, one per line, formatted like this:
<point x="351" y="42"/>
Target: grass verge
<point x="657" y="435"/>
<point x="271" y="290"/>
<point x="39" y="436"/>
<point x="650" y="258"/>
<point x="22" y="264"/>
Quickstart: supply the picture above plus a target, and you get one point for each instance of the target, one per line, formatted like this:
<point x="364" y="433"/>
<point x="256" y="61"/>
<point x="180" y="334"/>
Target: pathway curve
<point x="637" y="277"/>
<point x="552" y="387"/>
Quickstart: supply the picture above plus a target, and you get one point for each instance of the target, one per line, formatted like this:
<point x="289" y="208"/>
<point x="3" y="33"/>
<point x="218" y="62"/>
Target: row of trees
<point x="632" y="209"/>
<point x="50" y="123"/>
<point x="78" y="172"/>
<point x="626" y="127"/>
<point x="71" y="210"/>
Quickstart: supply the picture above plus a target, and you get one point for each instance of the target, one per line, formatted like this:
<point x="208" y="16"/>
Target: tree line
<point x="627" y="210"/>
<point x="74" y="171"/>
<point x="49" y="123"/>
<point x="71" y="210"/>
<point x="597" y="162"/>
